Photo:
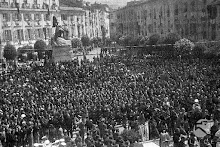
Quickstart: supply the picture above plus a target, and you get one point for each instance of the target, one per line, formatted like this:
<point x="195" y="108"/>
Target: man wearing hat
<point x="213" y="131"/>
<point x="192" y="141"/>
<point x="196" y="105"/>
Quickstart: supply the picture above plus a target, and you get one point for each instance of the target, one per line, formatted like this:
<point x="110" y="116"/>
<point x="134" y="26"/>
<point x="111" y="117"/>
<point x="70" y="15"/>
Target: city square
<point x="106" y="73"/>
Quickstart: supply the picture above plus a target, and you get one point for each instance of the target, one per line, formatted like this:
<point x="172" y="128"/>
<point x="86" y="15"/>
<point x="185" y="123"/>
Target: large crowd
<point x="51" y="100"/>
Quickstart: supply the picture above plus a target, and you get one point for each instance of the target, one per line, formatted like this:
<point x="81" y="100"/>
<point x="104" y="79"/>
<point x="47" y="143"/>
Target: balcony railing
<point x="53" y="7"/>
<point x="4" y="4"/>
<point x="14" y="5"/>
<point x="5" y="24"/>
<point x="27" y="18"/>
<point x="48" y="23"/>
<point x="28" y="23"/>
<point x="26" y="5"/>
<point x="18" y="23"/>
<point x="45" y="6"/>
<point x="36" y="6"/>
<point x="37" y="23"/>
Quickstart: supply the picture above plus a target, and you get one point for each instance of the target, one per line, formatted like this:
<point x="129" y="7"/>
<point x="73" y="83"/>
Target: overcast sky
<point x="114" y="2"/>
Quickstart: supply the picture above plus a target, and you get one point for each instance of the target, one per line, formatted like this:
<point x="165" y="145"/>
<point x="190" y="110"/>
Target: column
<point x="76" y="26"/>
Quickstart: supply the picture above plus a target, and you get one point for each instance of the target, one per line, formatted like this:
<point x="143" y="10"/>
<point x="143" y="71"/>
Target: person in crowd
<point x="192" y="141"/>
<point x="176" y="137"/>
<point x="213" y="131"/>
<point x="108" y="91"/>
<point x="164" y="139"/>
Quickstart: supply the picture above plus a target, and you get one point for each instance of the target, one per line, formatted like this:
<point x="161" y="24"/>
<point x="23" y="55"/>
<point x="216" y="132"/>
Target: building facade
<point x="24" y="21"/>
<point x="112" y="24"/>
<point x="86" y="20"/>
<point x="193" y="19"/>
<point x="188" y="18"/>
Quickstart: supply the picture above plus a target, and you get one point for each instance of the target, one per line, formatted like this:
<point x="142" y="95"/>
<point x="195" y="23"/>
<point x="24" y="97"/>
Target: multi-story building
<point x="85" y="19"/>
<point x="24" y="21"/>
<point x="72" y="19"/>
<point x="112" y="23"/>
<point x="188" y="18"/>
<point x="101" y="20"/>
<point x="193" y="19"/>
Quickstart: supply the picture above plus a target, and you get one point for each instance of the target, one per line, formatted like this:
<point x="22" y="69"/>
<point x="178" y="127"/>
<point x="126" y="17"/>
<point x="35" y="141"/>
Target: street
<point x="90" y="55"/>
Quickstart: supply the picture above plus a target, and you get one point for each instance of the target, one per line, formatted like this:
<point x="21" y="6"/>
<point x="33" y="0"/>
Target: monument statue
<point x="59" y="38"/>
<point x="61" y="46"/>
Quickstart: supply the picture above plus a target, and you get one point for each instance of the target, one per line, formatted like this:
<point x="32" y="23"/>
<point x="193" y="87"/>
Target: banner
<point x="144" y="131"/>
<point x="202" y="127"/>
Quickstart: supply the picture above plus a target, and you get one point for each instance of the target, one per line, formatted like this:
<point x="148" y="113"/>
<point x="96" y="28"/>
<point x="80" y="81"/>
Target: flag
<point x="17" y="6"/>
<point x="45" y="33"/>
<point x="48" y="9"/>
<point x="55" y="23"/>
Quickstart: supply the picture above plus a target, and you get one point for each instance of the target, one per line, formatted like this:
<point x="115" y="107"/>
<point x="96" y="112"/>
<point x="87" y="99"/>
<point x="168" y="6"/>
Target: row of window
<point x="28" y="34"/>
<point x="192" y="6"/>
<point x="26" y="1"/>
<point x="65" y="17"/>
<point x="27" y="17"/>
<point x="131" y="14"/>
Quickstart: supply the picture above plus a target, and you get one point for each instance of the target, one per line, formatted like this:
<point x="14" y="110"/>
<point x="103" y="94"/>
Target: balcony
<point x="18" y="23"/>
<point x="27" y="18"/>
<point x="37" y="23"/>
<point x="65" y="22"/>
<point x="48" y="23"/>
<point x="73" y="23"/>
<point x="14" y="5"/>
<point x="28" y="23"/>
<point x="26" y="5"/>
<point x="54" y="6"/>
<point x="5" y="24"/>
<point x="45" y="6"/>
<point x="4" y="4"/>
<point x="36" y="6"/>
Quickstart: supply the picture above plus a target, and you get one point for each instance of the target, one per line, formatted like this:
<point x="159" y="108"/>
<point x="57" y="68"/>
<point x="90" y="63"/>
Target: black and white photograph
<point x="109" y="73"/>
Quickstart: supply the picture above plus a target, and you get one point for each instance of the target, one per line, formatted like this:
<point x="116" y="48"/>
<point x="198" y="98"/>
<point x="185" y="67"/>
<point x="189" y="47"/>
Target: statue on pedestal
<point x="59" y="39"/>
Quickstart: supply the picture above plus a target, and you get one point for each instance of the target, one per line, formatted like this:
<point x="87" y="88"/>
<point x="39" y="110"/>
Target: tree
<point x="199" y="50"/>
<point x="94" y="40"/>
<point x="99" y="40"/>
<point x="127" y="40"/>
<point x="212" y="49"/>
<point x="76" y="43"/>
<point x="10" y="52"/>
<point x="117" y="39"/>
<point x="103" y="29"/>
<point x="184" y="47"/>
<point x="40" y="46"/>
<point x="108" y="41"/>
<point x="143" y="40"/>
<point x="171" y="38"/>
<point x="153" y="39"/>
<point x="132" y="41"/>
<point x="85" y="41"/>
<point x="121" y="40"/>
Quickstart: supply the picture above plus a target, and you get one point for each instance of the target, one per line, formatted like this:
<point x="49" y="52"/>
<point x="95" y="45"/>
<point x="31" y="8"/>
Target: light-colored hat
<point x="196" y="100"/>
